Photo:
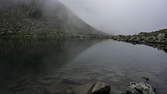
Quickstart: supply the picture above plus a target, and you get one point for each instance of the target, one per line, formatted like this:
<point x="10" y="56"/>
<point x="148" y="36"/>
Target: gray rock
<point x="161" y="36"/>
<point x="140" y="88"/>
<point x="99" y="88"/>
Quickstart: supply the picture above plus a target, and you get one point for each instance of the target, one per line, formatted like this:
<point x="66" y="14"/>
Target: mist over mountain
<point x="40" y="16"/>
<point x="121" y="16"/>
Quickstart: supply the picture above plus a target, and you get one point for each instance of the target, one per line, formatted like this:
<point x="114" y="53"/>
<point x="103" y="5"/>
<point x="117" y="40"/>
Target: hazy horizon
<point x="121" y="16"/>
<point x="110" y="16"/>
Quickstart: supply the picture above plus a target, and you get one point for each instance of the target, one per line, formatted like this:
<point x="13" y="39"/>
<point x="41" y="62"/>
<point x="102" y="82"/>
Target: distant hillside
<point x="40" y="17"/>
<point x="157" y="39"/>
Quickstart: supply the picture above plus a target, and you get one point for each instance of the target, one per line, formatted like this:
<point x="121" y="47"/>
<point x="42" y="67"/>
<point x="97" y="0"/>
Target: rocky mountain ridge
<point x="41" y="18"/>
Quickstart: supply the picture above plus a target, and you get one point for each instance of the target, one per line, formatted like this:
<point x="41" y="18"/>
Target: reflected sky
<point x="40" y="66"/>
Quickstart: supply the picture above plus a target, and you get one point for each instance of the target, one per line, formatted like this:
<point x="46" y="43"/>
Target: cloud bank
<point x="121" y="16"/>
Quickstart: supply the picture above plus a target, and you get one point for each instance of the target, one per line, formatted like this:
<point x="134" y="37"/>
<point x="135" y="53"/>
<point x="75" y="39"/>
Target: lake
<point x="47" y="66"/>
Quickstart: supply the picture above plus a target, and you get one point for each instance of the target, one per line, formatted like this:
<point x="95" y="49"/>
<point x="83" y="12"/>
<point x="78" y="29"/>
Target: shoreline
<point x="157" y="39"/>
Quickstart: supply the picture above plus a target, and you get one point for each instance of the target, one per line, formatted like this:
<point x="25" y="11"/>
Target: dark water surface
<point x="47" y="66"/>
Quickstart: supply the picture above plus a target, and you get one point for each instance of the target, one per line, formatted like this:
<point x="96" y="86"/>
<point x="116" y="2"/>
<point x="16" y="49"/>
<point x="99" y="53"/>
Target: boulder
<point x="140" y="88"/>
<point x="99" y="88"/>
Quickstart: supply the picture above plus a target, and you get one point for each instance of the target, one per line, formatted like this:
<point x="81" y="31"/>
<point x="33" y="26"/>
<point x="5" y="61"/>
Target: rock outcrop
<point x="157" y="39"/>
<point x="140" y="88"/>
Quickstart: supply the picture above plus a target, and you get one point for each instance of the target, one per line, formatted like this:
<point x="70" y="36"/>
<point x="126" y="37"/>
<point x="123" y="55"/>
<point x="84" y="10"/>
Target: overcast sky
<point x="121" y="16"/>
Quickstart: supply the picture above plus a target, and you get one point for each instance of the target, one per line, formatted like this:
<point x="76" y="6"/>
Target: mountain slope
<point x="40" y="17"/>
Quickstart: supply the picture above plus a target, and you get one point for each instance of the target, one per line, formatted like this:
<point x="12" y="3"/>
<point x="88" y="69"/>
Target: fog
<point x="121" y="16"/>
<point x="113" y="16"/>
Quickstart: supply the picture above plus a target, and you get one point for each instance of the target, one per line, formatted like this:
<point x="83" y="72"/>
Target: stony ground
<point x="157" y="39"/>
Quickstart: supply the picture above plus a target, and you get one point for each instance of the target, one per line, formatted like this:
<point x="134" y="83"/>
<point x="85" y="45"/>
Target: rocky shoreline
<point x="133" y="88"/>
<point x="157" y="39"/>
<point x="105" y="88"/>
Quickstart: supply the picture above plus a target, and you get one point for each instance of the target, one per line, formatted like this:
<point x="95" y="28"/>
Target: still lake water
<point x="46" y="66"/>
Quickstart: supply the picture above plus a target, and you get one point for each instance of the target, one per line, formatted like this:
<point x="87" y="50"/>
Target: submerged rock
<point x="140" y="88"/>
<point x="99" y="88"/>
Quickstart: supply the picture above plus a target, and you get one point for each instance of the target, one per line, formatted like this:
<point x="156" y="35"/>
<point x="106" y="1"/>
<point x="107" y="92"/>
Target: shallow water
<point x="47" y="66"/>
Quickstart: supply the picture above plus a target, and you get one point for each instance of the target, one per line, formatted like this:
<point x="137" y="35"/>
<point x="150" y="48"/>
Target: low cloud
<point x="121" y="16"/>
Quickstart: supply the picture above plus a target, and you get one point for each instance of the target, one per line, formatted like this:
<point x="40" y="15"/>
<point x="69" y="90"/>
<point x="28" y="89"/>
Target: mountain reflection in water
<point x="46" y="66"/>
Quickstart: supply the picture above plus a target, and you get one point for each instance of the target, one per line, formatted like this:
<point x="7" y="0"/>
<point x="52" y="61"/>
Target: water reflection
<point x="119" y="63"/>
<point x="45" y="67"/>
<point x="24" y="62"/>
